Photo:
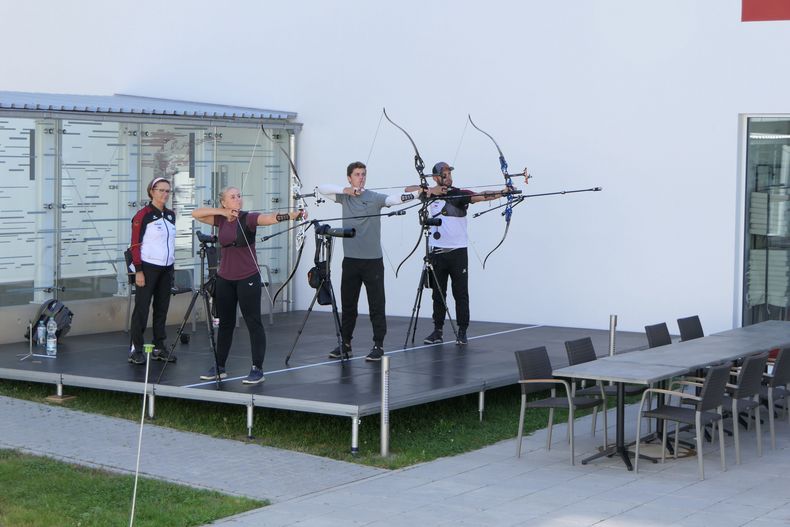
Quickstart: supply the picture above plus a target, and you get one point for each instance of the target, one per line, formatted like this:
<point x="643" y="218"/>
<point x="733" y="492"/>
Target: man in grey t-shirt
<point x="363" y="263"/>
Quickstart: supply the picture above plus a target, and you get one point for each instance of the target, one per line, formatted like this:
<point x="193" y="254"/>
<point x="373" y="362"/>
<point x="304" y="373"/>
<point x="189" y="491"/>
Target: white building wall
<point x="642" y="98"/>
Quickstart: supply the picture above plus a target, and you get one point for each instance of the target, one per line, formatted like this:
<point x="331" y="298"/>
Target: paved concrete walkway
<point x="486" y="487"/>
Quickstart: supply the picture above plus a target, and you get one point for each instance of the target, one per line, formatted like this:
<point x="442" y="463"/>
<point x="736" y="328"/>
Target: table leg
<point x="619" y="448"/>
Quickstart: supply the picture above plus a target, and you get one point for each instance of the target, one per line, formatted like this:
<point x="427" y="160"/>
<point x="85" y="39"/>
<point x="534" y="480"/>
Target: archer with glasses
<point x="153" y="256"/>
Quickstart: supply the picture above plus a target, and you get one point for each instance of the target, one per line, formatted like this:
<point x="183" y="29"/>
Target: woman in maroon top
<point x="238" y="277"/>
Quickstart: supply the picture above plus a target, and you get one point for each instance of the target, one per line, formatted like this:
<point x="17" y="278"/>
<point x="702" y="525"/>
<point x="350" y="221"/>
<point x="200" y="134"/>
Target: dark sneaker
<point x="335" y="353"/>
<point x="211" y="374"/>
<point x="255" y="376"/>
<point x="164" y="355"/>
<point x="434" y="338"/>
<point x="461" y="339"/>
<point x="375" y="354"/>
<point x="137" y="357"/>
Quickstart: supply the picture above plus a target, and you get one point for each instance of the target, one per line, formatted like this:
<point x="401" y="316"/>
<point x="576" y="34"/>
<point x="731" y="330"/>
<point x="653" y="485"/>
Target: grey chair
<point x="582" y="350"/>
<point x="658" y="335"/>
<point x="535" y="374"/>
<point x="744" y="397"/>
<point x="775" y="390"/>
<point x="705" y="410"/>
<point x="690" y="328"/>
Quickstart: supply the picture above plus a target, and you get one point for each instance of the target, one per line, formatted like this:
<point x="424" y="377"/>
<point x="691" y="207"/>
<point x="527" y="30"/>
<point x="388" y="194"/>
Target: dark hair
<point x="353" y="166"/>
<point x="154" y="182"/>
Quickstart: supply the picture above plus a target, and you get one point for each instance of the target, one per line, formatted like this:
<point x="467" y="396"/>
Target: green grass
<point x="417" y="434"/>
<point x="40" y="492"/>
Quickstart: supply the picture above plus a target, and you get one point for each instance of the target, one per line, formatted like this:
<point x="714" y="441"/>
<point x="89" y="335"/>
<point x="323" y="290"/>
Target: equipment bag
<point x="57" y="310"/>
<point x="130" y="268"/>
<point x="316" y="277"/>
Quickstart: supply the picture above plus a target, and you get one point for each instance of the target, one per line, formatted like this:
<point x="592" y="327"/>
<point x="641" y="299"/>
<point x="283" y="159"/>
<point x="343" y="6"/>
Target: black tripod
<point x="320" y="279"/>
<point x="427" y="280"/>
<point x="207" y="251"/>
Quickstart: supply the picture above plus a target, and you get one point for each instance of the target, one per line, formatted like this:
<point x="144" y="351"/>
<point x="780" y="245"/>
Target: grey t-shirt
<point x="367" y="242"/>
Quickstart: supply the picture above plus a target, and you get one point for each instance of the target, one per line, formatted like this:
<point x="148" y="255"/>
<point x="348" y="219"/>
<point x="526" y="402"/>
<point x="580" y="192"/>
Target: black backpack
<point x="57" y="310"/>
<point x="317" y="277"/>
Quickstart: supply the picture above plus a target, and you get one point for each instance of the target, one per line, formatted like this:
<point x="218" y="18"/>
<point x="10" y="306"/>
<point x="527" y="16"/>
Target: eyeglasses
<point x="163" y="190"/>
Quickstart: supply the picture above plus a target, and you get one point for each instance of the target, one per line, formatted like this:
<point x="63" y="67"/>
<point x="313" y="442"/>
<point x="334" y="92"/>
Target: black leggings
<point x="245" y="293"/>
<point x="158" y="281"/>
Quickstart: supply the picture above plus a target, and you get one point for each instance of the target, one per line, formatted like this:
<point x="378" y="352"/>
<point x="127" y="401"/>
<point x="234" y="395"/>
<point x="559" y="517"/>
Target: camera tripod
<point x="427" y="281"/>
<point x="207" y="251"/>
<point x="323" y="263"/>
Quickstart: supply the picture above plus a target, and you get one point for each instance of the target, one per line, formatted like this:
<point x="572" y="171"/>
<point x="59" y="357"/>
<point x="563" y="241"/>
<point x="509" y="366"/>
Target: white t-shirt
<point x="452" y="233"/>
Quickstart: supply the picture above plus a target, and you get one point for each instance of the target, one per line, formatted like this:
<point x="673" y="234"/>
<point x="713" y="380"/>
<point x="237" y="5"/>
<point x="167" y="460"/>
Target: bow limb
<point x="419" y="239"/>
<point x="507" y="226"/>
<point x="419" y="166"/>
<point x="508" y="184"/>
<point x="301" y="204"/>
<point x="290" y="275"/>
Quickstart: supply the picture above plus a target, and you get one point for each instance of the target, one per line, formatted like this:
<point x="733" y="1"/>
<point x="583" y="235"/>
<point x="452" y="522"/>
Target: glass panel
<point x="94" y="230"/>
<point x="70" y="188"/>
<point x="184" y="156"/>
<point x="249" y="161"/>
<point x="27" y="163"/>
<point x="767" y="265"/>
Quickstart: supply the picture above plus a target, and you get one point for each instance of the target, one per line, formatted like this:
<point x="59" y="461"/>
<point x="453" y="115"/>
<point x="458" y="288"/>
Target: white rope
<point x="148" y="349"/>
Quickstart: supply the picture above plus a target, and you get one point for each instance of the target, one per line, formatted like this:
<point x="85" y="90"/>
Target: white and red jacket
<point x="154" y="236"/>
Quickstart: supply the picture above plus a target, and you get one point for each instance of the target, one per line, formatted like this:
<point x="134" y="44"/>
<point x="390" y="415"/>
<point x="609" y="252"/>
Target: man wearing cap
<point x="448" y="244"/>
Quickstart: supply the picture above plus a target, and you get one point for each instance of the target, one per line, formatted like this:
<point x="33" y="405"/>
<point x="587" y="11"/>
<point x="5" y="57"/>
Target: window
<point x="767" y="258"/>
<point x="71" y="186"/>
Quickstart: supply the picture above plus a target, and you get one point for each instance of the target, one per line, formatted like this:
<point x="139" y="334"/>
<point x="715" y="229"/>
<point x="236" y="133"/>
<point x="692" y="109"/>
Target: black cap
<point x="438" y="167"/>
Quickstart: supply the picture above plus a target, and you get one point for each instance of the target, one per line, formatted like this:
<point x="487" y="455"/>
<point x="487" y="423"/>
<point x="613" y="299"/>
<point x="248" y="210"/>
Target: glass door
<point x="767" y="259"/>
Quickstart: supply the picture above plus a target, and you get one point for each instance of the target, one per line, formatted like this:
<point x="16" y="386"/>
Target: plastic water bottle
<point x="52" y="339"/>
<point x="41" y="334"/>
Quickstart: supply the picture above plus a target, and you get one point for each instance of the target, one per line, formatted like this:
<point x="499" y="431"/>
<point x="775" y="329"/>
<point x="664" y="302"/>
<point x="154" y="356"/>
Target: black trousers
<point x="454" y="265"/>
<point x="158" y="281"/>
<point x="356" y="272"/>
<point x="246" y="294"/>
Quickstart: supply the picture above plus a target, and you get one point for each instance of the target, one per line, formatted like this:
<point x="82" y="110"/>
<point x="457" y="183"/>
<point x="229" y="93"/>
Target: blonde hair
<point x="224" y="191"/>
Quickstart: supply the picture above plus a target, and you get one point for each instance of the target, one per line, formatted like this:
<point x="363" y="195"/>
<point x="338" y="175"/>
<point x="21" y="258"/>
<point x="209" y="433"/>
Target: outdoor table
<point x="657" y="364"/>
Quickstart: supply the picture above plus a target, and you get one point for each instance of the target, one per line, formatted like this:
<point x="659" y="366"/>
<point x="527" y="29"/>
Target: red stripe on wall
<point x="757" y="10"/>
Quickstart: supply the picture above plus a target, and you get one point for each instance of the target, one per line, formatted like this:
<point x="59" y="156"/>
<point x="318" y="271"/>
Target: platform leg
<point x="249" y="421"/>
<point x="355" y="421"/>
<point x="151" y="405"/>
<point x="481" y="403"/>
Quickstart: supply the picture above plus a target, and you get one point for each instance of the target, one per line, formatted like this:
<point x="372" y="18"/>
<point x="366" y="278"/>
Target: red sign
<point x="757" y="10"/>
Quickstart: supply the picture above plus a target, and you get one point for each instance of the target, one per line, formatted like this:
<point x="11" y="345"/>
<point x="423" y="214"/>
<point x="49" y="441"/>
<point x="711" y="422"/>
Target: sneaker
<point x="211" y="374"/>
<point x="434" y="338"/>
<point x="136" y="357"/>
<point x="461" y="339"/>
<point x="335" y="353"/>
<point x="255" y="376"/>
<point x="164" y="355"/>
<point x="375" y="354"/>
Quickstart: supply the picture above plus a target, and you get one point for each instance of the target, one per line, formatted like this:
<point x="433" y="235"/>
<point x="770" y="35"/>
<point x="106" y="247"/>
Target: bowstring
<point x="460" y="141"/>
<point x="238" y="220"/>
<point x="468" y="223"/>
<point x="367" y="162"/>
